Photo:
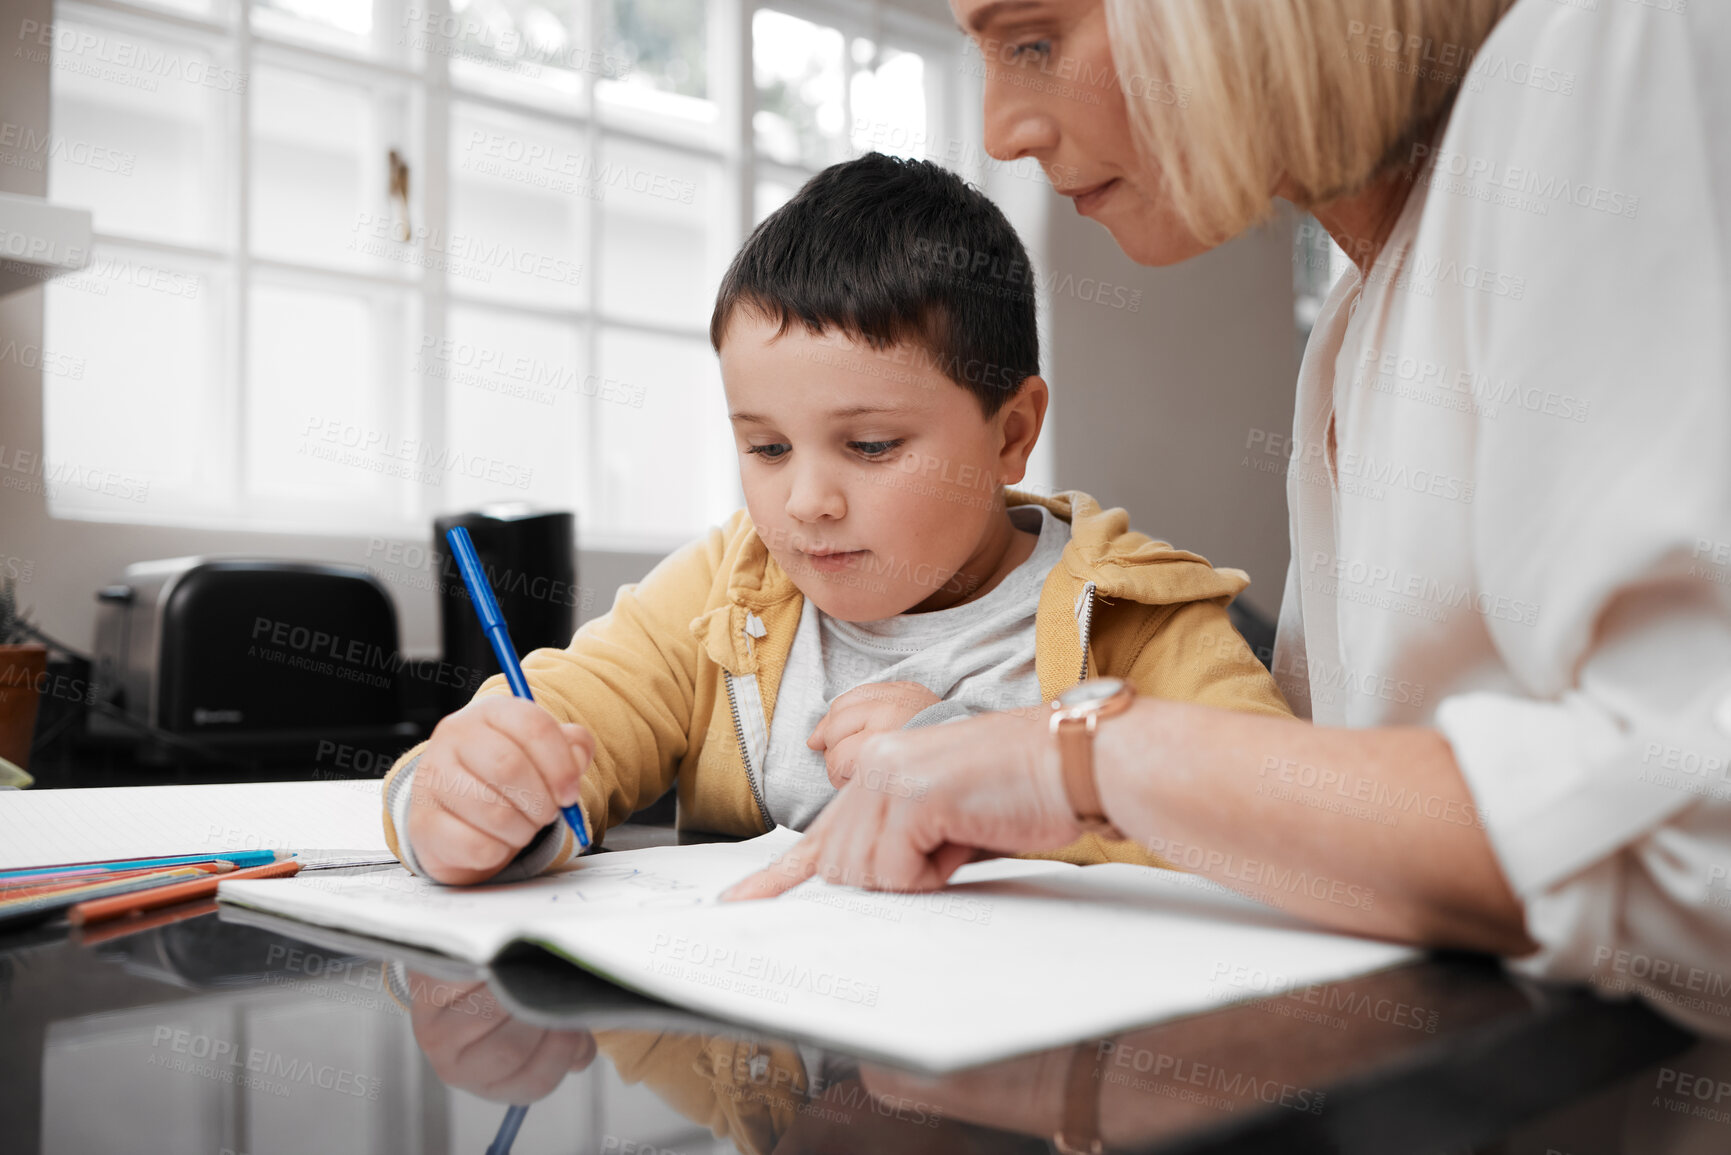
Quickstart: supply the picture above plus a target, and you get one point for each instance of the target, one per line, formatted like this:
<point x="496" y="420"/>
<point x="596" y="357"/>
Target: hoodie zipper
<point x="1085" y="625"/>
<point x="745" y="753"/>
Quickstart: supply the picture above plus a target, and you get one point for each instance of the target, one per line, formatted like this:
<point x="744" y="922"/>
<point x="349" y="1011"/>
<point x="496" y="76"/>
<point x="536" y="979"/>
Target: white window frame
<point x="731" y="88"/>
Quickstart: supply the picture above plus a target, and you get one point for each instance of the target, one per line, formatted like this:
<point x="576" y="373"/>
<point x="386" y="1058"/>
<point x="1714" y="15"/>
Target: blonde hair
<point x="1227" y="96"/>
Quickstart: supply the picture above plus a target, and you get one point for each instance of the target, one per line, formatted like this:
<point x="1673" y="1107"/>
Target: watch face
<point x="1090" y="693"/>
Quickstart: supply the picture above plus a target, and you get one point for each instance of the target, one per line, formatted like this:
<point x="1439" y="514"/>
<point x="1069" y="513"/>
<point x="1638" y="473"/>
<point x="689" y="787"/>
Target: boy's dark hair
<point x="894" y="252"/>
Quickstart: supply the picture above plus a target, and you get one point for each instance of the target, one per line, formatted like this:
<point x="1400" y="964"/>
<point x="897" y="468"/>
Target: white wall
<point x="1152" y="407"/>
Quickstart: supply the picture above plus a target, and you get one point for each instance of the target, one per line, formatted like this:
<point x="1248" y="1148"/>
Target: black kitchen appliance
<point x="256" y="659"/>
<point x="530" y="557"/>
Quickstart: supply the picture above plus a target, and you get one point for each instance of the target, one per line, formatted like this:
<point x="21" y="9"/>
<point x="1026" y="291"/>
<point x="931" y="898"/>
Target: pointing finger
<point x="778" y="878"/>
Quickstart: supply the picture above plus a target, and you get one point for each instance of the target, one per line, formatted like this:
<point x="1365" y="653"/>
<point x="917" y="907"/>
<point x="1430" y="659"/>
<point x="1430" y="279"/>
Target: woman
<point x="1507" y="613"/>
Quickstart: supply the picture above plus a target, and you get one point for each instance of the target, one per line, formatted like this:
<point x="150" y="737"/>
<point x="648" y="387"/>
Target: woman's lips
<point x="1088" y="200"/>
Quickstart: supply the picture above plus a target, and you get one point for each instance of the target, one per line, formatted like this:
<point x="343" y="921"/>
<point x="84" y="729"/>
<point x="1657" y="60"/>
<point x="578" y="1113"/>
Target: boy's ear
<point x="1020" y="421"/>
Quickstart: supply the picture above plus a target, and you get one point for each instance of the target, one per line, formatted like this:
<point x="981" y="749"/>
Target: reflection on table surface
<point x="206" y="1035"/>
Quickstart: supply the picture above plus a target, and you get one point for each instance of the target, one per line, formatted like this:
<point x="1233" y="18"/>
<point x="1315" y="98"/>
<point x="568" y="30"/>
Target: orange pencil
<point x="27" y="911"/>
<point x="99" y="909"/>
<point x="14" y="900"/>
<point x="12" y="893"/>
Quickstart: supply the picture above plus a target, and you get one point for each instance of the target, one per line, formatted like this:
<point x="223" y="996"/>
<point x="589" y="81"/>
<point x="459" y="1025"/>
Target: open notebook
<point x="1014" y="956"/>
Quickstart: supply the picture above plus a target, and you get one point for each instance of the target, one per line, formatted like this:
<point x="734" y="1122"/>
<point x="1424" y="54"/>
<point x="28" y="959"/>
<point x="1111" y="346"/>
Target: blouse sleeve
<point x="1605" y="786"/>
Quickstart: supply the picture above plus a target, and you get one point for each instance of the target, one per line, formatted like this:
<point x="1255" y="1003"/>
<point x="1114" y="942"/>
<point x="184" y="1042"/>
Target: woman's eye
<point x="874" y="448"/>
<point x="1039" y="48"/>
<point x="774" y="451"/>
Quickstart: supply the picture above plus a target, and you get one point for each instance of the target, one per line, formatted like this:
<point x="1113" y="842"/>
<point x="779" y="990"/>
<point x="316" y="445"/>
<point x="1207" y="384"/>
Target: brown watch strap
<point x="1076" y="717"/>
<point x="1076" y="761"/>
<point x="1076" y="752"/>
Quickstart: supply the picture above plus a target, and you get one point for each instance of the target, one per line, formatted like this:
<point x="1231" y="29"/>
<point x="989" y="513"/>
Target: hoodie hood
<point x="1125" y="563"/>
<point x="1103" y="553"/>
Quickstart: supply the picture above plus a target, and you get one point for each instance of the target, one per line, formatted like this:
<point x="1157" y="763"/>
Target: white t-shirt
<point x="1523" y="536"/>
<point x="975" y="657"/>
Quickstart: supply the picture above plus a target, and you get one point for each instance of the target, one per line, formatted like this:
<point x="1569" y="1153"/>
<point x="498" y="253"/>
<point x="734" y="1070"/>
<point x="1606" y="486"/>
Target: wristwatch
<point x="1075" y="715"/>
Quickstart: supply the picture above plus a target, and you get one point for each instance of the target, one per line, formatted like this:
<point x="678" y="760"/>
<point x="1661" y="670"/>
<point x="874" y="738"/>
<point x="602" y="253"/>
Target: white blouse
<point x="1521" y="533"/>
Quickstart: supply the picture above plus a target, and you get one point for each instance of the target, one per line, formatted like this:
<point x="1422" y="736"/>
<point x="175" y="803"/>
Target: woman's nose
<point x="1016" y="123"/>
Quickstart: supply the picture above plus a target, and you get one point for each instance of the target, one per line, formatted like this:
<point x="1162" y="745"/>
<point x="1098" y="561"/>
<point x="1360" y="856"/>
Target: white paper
<point x="1028" y="955"/>
<point x="48" y="827"/>
<point x="473" y="922"/>
<point x="973" y="973"/>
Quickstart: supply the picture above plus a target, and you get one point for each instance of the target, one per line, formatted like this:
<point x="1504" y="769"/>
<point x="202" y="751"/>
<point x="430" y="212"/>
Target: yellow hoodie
<point x="678" y="681"/>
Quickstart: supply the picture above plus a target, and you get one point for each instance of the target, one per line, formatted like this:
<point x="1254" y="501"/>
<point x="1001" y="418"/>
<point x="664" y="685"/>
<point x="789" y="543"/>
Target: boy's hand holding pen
<point x="494" y="773"/>
<point x="499" y="769"/>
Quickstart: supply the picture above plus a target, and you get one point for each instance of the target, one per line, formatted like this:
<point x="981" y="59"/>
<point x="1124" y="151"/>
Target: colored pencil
<point x="83" y="885"/>
<point x="10" y="877"/>
<point x="13" y="893"/>
<point x="102" y="908"/>
<point x="30" y="910"/>
<point x="239" y="857"/>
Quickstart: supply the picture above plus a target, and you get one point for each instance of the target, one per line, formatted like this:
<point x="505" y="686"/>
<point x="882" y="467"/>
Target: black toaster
<point x="252" y="656"/>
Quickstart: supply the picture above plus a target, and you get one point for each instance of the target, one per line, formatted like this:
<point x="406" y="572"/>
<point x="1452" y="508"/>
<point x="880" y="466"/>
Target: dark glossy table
<point x="210" y="1036"/>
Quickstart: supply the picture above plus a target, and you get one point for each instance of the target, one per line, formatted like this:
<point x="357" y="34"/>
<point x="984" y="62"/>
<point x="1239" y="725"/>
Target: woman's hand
<point x="923" y="802"/>
<point x="1197" y="786"/>
<point x="859" y="713"/>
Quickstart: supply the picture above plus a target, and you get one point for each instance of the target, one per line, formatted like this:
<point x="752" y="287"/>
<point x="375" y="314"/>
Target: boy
<point x="880" y="359"/>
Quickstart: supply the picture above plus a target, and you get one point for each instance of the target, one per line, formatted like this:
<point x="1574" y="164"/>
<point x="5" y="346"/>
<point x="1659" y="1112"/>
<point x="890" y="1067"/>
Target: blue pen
<point x="493" y="625"/>
<point x="508" y="1128"/>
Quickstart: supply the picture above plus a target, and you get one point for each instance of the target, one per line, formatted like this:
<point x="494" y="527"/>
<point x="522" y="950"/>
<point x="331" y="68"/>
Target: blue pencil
<point x="240" y="858"/>
<point x="493" y="625"/>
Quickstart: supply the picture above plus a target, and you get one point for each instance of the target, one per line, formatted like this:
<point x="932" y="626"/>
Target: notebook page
<point x="47" y="827"/>
<point x="473" y="922"/>
<point x="972" y="973"/>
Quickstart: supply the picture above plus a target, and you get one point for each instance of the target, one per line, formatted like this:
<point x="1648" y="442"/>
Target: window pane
<point x="532" y="51"/>
<point x="666" y="43"/>
<point x="516" y="405"/>
<point x="771" y="195"/>
<point x="326" y="420"/>
<point x="521" y="192"/>
<point x="657" y="81"/>
<point x="135" y="389"/>
<point x="662" y="115"/>
<point x="668" y="465"/>
<point x="889" y="103"/>
<point x="218" y="8"/>
<point x="346" y="25"/>
<point x="321" y="173"/>
<point x="139" y="143"/>
<point x="798" y="68"/>
<point x="664" y="243"/>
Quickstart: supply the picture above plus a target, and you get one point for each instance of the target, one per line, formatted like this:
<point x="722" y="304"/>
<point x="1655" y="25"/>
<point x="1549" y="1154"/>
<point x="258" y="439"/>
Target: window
<point x="826" y="89"/>
<point x="358" y="264"/>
